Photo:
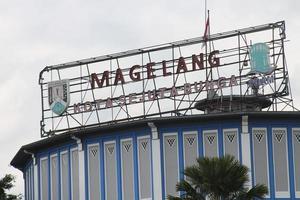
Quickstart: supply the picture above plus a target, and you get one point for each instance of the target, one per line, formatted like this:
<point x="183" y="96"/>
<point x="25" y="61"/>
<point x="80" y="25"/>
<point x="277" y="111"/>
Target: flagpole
<point x="209" y="43"/>
<point x="205" y="42"/>
<point x="208" y="29"/>
<point x="205" y="11"/>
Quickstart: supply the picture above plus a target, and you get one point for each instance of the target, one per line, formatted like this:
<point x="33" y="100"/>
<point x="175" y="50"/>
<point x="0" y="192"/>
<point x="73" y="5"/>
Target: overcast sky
<point x="36" y="33"/>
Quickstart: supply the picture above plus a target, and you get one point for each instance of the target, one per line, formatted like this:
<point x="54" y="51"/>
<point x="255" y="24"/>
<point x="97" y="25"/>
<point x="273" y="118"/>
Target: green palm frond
<point x="218" y="178"/>
<point x="258" y="192"/>
<point x="188" y="192"/>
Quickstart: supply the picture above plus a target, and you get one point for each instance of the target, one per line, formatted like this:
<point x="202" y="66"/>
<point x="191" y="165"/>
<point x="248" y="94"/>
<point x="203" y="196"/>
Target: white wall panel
<point x="171" y="163"/>
<point x="111" y="190"/>
<point x="94" y="171"/>
<point x="44" y="178"/>
<point x="296" y="153"/>
<point x="144" y="167"/>
<point x="127" y="168"/>
<point x="280" y="157"/>
<point x="74" y="174"/>
<point x="64" y="175"/>
<point x="54" y="177"/>
<point x="210" y="143"/>
<point x="260" y="156"/>
<point x="190" y="147"/>
<point x="231" y="142"/>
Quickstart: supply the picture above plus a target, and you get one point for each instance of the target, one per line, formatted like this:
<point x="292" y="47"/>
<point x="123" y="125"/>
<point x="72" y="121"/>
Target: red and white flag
<point x="205" y="36"/>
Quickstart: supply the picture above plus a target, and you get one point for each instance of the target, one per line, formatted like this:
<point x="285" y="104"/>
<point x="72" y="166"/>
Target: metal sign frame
<point x="128" y="100"/>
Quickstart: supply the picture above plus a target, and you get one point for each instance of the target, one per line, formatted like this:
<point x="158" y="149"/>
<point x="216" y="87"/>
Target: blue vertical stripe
<point x="239" y="134"/>
<point x="200" y="142"/>
<point x="135" y="165"/>
<point x="86" y="171"/>
<point x="181" y="156"/>
<point x="33" y="189"/>
<point x="119" y="174"/>
<point x="102" y="172"/>
<point x="39" y="179"/>
<point x="251" y="155"/>
<point x="70" y="179"/>
<point x="291" y="161"/>
<point x="270" y="159"/>
<point x="49" y="177"/>
<point x="59" y="175"/>
<point x="161" y="137"/>
<point x="151" y="168"/>
<point x="220" y="141"/>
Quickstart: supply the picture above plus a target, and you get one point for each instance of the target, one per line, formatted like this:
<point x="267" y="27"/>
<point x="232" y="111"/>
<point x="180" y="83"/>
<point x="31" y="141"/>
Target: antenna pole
<point x="205" y="11"/>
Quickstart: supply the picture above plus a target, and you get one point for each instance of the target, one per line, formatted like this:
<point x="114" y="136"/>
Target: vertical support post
<point x="245" y="143"/>
<point x="35" y="180"/>
<point x="42" y="124"/>
<point x="173" y="76"/>
<point x="156" y="163"/>
<point x="35" y="176"/>
<point x="274" y="62"/>
<point x="240" y="68"/>
<point x="80" y="168"/>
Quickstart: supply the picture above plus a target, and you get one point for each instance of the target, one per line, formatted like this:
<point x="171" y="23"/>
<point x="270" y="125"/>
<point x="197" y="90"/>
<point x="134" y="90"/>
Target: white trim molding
<point x="156" y="163"/>
<point x="245" y="146"/>
<point x="210" y="131"/>
<point x="297" y="192"/>
<point x="281" y="194"/>
<point x="80" y="167"/>
<point x="267" y="156"/>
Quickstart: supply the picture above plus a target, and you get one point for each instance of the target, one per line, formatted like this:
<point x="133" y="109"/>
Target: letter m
<point x="94" y="78"/>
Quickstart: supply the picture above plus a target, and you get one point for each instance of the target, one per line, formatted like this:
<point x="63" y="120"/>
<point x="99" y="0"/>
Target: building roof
<point x="26" y="151"/>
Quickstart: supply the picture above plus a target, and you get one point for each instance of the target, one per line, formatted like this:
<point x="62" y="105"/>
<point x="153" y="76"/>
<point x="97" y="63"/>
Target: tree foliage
<point x="6" y="183"/>
<point x="218" y="178"/>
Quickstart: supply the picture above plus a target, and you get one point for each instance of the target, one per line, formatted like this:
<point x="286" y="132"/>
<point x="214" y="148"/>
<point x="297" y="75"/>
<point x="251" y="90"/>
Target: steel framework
<point x="233" y="60"/>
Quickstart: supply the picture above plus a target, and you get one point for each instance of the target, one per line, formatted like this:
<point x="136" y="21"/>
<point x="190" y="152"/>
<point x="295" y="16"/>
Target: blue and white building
<point x="145" y="159"/>
<point x="123" y="126"/>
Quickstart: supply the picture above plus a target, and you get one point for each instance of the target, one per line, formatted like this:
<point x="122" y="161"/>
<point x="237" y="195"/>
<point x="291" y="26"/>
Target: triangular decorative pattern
<point x="144" y="144"/>
<point x="64" y="161"/>
<point x="230" y="137"/>
<point x="210" y="138"/>
<point x="191" y="140"/>
<point x="279" y="134"/>
<point x="279" y="137"/>
<point x="127" y="146"/>
<point x="259" y="137"/>
<point x="297" y="136"/>
<point x="110" y="149"/>
<point x="171" y="141"/>
<point x="94" y="151"/>
<point x="54" y="163"/>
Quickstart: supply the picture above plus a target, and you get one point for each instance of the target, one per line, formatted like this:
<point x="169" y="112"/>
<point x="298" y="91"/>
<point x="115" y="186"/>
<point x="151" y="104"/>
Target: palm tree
<point x="218" y="178"/>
